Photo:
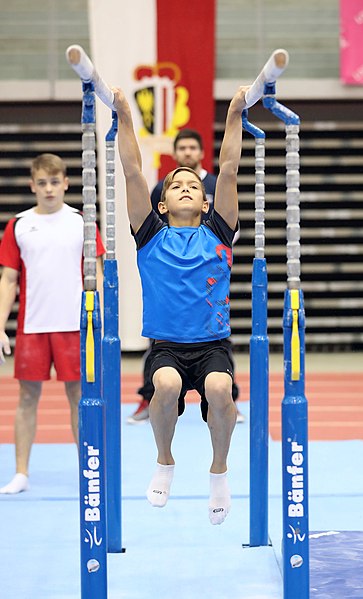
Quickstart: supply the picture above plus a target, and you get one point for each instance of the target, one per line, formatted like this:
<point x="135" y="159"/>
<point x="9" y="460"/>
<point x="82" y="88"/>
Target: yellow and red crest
<point x="163" y="105"/>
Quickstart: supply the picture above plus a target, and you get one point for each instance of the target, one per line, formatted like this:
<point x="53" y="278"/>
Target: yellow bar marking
<point x="90" y="341"/>
<point x="90" y="301"/>
<point x="295" y="339"/>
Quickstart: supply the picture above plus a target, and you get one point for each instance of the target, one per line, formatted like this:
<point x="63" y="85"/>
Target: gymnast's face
<point x="184" y="197"/>
<point x="49" y="189"/>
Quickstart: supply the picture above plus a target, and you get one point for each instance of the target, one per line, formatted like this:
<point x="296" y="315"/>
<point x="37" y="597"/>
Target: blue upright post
<point x="259" y="356"/>
<point x="92" y="455"/>
<point x="92" y="449"/>
<point x="294" y="405"/>
<point x="111" y="354"/>
<point x="295" y="452"/>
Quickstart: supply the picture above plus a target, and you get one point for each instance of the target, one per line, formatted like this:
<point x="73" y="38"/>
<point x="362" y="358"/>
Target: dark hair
<point x="188" y="134"/>
<point x="51" y="163"/>
<point x="169" y="179"/>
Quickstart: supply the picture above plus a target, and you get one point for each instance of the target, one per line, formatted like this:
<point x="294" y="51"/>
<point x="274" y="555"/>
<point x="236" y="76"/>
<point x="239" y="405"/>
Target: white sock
<point x="220" y="498"/>
<point x="159" y="487"/>
<point x="19" y="483"/>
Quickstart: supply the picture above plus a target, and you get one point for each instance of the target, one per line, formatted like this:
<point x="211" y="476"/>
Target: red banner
<point x="186" y="39"/>
<point x="351" y="41"/>
<point x="161" y="52"/>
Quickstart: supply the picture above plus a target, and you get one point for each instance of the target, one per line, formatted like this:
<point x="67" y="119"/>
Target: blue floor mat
<point x="175" y="552"/>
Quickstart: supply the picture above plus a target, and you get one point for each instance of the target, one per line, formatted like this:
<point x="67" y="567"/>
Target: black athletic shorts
<point x="193" y="361"/>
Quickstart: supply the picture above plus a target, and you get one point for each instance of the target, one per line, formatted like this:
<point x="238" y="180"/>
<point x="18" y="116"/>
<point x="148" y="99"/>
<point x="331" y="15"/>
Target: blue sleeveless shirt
<point x="185" y="276"/>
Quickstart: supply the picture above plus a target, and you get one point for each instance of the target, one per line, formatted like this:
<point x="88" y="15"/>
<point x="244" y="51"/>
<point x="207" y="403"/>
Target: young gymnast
<point x="185" y="269"/>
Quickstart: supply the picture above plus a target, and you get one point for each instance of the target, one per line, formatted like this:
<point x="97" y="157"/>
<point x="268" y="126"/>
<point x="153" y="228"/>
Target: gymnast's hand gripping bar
<point x="83" y="66"/>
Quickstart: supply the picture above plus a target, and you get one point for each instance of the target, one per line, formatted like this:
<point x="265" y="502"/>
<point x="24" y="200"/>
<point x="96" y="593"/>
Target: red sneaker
<point x="141" y="415"/>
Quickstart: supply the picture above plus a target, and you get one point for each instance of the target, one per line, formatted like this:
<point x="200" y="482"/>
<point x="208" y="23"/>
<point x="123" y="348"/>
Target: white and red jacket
<point x="47" y="251"/>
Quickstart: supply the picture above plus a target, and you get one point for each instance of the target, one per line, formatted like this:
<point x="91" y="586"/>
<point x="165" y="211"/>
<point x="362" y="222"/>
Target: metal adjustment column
<point x="111" y="356"/>
<point x="259" y="355"/>
<point x="92" y="450"/>
<point x="294" y="405"/>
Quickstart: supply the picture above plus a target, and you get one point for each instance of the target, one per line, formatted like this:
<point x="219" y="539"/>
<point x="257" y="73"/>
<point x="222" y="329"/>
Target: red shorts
<point x="35" y="353"/>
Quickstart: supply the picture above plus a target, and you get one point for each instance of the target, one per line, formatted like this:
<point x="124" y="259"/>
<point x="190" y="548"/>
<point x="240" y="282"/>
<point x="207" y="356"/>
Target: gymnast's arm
<point x="8" y="288"/>
<point x="226" y="198"/>
<point x="138" y="197"/>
